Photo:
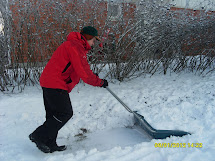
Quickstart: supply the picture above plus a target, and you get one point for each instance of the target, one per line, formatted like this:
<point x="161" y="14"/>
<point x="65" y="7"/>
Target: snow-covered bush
<point x="146" y="37"/>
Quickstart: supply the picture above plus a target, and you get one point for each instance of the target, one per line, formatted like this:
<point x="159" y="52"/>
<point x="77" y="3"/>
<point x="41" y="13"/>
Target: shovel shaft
<point x="126" y="107"/>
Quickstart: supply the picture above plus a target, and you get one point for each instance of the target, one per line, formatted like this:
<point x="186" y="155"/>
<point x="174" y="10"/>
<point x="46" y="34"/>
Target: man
<point x="64" y="70"/>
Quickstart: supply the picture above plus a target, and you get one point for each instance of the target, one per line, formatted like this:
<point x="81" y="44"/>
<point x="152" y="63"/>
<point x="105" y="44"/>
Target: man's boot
<point x="54" y="147"/>
<point x="40" y="145"/>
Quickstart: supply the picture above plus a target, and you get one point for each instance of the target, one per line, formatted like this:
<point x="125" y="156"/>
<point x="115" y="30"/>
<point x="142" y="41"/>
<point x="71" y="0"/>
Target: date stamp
<point x="178" y="145"/>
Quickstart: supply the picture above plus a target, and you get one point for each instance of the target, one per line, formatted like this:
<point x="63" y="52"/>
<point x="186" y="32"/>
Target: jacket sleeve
<point x="82" y="68"/>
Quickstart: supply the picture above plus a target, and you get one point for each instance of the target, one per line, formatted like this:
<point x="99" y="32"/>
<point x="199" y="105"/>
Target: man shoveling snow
<point x="66" y="67"/>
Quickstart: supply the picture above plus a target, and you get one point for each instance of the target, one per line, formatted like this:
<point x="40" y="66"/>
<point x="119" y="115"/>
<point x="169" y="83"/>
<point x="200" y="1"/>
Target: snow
<point x="101" y="129"/>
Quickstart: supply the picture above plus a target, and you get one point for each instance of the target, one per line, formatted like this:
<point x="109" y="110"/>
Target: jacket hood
<point x="77" y="37"/>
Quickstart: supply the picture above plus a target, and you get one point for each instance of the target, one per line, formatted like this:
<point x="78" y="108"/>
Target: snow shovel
<point x="152" y="132"/>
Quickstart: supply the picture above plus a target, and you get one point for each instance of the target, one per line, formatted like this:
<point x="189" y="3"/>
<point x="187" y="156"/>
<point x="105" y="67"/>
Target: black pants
<point x="58" y="111"/>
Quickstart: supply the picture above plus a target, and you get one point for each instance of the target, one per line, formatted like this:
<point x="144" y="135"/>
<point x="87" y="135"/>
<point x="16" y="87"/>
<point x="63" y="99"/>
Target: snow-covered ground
<point x="101" y="129"/>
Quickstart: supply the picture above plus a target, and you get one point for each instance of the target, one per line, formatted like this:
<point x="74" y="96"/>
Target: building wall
<point x="200" y="24"/>
<point x="40" y="26"/>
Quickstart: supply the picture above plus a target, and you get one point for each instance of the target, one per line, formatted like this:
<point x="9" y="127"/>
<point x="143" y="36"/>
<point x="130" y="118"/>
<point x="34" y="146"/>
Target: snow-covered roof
<point x="194" y="4"/>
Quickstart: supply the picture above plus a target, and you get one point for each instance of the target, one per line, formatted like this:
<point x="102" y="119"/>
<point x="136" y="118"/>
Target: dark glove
<point x="105" y="84"/>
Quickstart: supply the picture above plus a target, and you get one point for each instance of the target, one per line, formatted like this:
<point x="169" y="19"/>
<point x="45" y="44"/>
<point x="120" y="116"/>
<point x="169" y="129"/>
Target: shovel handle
<point x="126" y="107"/>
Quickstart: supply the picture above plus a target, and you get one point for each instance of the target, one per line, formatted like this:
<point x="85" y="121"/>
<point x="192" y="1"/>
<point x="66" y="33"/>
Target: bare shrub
<point x="149" y="37"/>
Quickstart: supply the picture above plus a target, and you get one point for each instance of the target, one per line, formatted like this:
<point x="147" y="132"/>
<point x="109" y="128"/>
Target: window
<point x="114" y="11"/>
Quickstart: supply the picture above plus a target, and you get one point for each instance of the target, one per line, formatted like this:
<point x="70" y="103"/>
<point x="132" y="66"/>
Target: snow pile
<point x="101" y="128"/>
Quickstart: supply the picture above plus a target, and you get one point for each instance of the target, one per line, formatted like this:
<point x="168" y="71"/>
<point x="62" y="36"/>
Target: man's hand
<point x="105" y="84"/>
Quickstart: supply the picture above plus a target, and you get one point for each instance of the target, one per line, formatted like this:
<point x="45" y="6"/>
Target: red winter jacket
<point x="69" y="64"/>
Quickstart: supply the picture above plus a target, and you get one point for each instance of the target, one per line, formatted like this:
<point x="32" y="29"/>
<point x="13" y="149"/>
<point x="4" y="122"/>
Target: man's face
<point x="92" y="41"/>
